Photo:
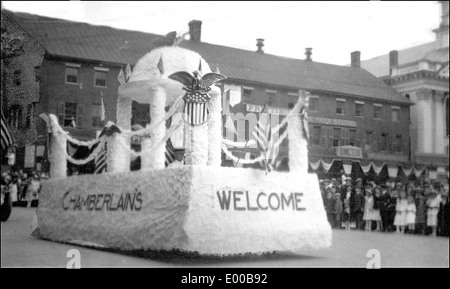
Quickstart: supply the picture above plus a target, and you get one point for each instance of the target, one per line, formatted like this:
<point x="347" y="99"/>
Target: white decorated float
<point x="199" y="207"/>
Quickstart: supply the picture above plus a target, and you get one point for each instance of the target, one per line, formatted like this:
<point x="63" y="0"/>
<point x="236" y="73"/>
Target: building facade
<point x="420" y="73"/>
<point x="354" y="117"/>
<point x="21" y="72"/>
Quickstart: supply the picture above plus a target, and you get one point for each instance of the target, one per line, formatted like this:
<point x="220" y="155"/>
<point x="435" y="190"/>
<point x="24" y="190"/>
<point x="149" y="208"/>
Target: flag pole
<point x="249" y="136"/>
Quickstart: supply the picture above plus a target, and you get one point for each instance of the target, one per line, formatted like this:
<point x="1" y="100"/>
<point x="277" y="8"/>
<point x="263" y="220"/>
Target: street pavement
<point x="350" y="249"/>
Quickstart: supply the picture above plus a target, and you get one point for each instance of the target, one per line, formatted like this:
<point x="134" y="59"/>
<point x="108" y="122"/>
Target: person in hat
<point x="376" y="207"/>
<point x="347" y="206"/>
<point x="359" y="207"/>
<point x="385" y="203"/>
<point x="33" y="190"/>
<point x="329" y="205"/>
<point x="368" y="210"/>
<point x="443" y="218"/>
<point x="338" y="208"/>
<point x="433" y="204"/>
<point x="421" y="211"/>
<point x="179" y="158"/>
<point x="400" y="216"/>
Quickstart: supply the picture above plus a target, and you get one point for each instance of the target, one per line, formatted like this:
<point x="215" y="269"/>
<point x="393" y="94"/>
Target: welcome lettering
<point x="243" y="201"/>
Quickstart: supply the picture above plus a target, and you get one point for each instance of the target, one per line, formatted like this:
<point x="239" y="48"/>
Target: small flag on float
<point x="160" y="65"/>
<point x="121" y="76"/>
<point x="100" y="161"/>
<point x="7" y="139"/>
<point x="261" y="133"/>
<point x="127" y="72"/>
<point x="170" y="154"/>
<point x="102" y="109"/>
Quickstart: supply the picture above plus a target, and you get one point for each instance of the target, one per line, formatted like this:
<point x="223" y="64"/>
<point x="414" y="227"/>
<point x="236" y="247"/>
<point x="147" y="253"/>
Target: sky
<point x="332" y="29"/>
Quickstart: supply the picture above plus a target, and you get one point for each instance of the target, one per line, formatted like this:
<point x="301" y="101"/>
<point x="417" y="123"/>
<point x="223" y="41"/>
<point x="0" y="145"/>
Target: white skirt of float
<point x="204" y="209"/>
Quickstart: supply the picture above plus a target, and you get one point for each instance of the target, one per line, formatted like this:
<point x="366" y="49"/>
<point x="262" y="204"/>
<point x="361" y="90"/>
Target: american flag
<point x="100" y="161"/>
<point x="170" y="155"/>
<point x="127" y="72"/>
<point x="102" y="109"/>
<point x="121" y="77"/>
<point x="7" y="139"/>
<point x="262" y="135"/>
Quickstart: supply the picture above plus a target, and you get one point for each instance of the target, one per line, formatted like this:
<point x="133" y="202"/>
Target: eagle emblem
<point x="196" y="99"/>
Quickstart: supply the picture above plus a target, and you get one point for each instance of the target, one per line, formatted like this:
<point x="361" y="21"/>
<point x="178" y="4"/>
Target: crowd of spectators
<point x="415" y="207"/>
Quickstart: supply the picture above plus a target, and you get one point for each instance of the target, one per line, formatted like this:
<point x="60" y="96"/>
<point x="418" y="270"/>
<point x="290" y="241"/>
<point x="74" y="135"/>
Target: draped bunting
<point x="366" y="168"/>
<point x="418" y="171"/>
<point x="370" y="169"/>
<point x="326" y="167"/>
<point x="315" y="165"/>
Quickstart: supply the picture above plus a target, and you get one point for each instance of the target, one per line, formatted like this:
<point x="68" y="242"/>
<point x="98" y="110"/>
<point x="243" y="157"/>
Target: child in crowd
<point x="400" y="208"/>
<point x="33" y="190"/>
<point x="358" y="201"/>
<point x="338" y="207"/>
<point x="433" y="204"/>
<point x="329" y="206"/>
<point x="421" y="212"/>
<point x="368" y="210"/>
<point x="411" y="214"/>
<point x="376" y="207"/>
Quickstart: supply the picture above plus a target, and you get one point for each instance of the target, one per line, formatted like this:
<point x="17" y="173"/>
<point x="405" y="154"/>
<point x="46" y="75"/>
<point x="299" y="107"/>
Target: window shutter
<point x="358" y="139"/>
<point x="324" y="136"/>
<point x="330" y="136"/>
<point x="61" y="112"/>
<point x="363" y="139"/>
<point x="80" y="109"/>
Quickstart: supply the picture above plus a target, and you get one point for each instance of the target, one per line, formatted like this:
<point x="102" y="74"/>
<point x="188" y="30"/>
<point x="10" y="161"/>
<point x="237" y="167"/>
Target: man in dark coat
<point x="443" y="217"/>
<point x="385" y="201"/>
<point x="358" y="208"/>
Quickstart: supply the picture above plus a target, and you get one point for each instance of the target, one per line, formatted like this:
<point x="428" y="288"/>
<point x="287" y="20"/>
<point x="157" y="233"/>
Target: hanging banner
<point x="347" y="169"/>
<point x="29" y="156"/>
<point x="393" y="171"/>
<point x="432" y="174"/>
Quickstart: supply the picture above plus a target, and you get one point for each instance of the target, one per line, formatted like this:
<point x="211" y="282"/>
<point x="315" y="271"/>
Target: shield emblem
<point x="196" y="108"/>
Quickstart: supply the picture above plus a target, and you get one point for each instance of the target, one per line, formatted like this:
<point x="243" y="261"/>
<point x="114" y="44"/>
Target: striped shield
<point x="196" y="107"/>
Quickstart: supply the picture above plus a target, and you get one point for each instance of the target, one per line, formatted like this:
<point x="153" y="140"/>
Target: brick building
<point x="20" y="87"/>
<point x="355" y="118"/>
<point x="420" y="73"/>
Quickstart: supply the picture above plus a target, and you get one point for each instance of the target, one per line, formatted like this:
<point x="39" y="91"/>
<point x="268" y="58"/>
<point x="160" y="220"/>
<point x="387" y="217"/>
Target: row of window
<point x="341" y="108"/>
<point x="17" y="76"/>
<point x="72" y="115"/>
<point x="73" y="71"/>
<point x="359" y="109"/>
<point x="16" y="116"/>
<point x="336" y="136"/>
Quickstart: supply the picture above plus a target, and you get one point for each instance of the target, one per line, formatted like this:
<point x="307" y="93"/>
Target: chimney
<point x="355" y="59"/>
<point x="308" y="53"/>
<point x="260" y="45"/>
<point x="393" y="60"/>
<point x="195" y="30"/>
<point x="444" y="14"/>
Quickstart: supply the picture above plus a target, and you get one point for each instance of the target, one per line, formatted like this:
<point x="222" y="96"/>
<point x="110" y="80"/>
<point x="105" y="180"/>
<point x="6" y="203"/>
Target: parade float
<point x="199" y="207"/>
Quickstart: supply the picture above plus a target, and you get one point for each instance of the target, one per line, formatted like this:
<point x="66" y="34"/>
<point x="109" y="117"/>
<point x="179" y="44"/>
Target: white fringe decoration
<point x="239" y="144"/>
<point x="58" y="150"/>
<point x="118" y="156"/>
<point x="298" y="145"/>
<point x="242" y="161"/>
